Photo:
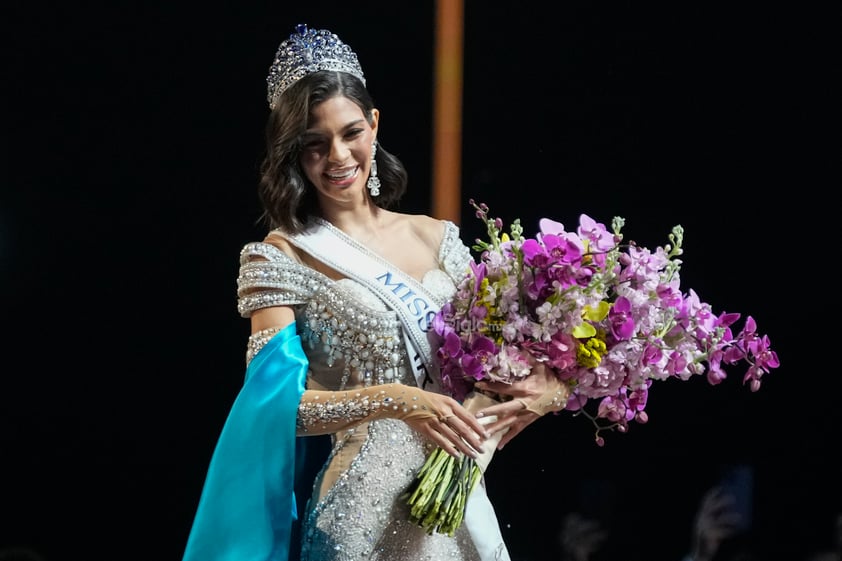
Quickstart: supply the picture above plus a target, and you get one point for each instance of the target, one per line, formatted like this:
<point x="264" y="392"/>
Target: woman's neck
<point x="362" y="223"/>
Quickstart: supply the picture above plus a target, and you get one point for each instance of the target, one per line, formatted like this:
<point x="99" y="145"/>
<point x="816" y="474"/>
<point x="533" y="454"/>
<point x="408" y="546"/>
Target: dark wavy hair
<point x="288" y="197"/>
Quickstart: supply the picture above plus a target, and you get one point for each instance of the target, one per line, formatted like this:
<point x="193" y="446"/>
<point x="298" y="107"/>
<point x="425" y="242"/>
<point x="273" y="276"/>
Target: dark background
<point x="132" y="139"/>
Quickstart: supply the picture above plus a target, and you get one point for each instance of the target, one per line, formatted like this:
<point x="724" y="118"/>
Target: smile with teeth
<point x="339" y="175"/>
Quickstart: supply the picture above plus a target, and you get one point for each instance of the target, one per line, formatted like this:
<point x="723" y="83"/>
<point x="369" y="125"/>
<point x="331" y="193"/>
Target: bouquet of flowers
<point x="607" y="317"/>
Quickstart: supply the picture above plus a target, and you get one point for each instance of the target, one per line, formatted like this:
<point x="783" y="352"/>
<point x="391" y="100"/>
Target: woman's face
<point x="336" y="149"/>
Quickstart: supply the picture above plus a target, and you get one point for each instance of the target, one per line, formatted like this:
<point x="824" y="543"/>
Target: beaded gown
<point x="352" y="339"/>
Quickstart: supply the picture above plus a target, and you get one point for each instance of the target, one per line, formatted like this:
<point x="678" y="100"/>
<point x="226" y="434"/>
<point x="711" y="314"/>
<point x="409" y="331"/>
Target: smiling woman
<point x="130" y="151"/>
<point x="339" y="147"/>
<point x="336" y="346"/>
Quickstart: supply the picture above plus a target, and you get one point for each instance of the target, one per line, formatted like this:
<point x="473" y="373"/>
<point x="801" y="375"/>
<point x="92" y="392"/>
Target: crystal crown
<point x="307" y="51"/>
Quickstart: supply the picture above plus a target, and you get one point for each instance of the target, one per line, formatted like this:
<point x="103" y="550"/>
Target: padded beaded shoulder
<point x="351" y="336"/>
<point x="454" y="255"/>
<point x="269" y="277"/>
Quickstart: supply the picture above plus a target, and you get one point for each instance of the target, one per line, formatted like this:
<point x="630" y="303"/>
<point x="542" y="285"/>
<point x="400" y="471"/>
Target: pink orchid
<point x="607" y="317"/>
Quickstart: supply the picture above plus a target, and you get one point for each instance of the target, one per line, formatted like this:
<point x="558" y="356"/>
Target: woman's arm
<point x="440" y="418"/>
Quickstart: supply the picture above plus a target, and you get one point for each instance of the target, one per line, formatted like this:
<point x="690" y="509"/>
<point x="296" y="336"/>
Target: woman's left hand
<point x="511" y="415"/>
<point x="531" y="397"/>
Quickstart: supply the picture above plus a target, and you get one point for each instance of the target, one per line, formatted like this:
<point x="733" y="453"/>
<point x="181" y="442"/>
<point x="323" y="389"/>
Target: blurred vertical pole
<point x="447" y="110"/>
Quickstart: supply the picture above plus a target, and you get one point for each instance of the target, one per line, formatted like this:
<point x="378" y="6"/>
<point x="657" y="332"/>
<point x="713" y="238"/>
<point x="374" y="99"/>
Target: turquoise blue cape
<point x="248" y="506"/>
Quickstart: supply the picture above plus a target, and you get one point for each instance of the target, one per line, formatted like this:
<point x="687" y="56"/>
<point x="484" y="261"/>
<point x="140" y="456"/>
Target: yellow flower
<point x="585" y="330"/>
<point x="589" y="354"/>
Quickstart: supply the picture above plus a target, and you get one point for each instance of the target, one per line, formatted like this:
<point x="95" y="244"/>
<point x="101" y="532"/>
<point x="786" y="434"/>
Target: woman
<point x="339" y="295"/>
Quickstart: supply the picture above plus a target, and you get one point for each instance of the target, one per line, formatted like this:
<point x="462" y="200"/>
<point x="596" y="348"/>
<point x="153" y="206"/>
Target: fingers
<point x="502" y="423"/>
<point x="506" y="408"/>
<point x="512" y="416"/>
<point x="457" y="430"/>
<point x="456" y="438"/>
<point x="472" y="423"/>
<point x="522" y="402"/>
<point x="468" y="430"/>
<point x="517" y="426"/>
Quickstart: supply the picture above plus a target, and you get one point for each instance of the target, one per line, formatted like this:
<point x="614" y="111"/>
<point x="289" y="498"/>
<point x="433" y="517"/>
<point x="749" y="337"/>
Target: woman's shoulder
<point x="443" y="237"/>
<point x="272" y="274"/>
<point x="274" y="247"/>
<point x="429" y="229"/>
<point x="437" y="233"/>
<point x="432" y="231"/>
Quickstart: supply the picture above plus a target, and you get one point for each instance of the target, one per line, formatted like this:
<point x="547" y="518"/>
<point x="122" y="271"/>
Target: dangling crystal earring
<point x="373" y="182"/>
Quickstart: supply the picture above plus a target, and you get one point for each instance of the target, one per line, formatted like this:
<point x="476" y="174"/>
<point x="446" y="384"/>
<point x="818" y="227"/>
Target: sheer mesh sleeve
<point x="323" y="411"/>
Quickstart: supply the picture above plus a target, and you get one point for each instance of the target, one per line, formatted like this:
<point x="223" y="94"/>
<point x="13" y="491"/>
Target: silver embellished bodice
<point x="353" y="339"/>
<point x="350" y="336"/>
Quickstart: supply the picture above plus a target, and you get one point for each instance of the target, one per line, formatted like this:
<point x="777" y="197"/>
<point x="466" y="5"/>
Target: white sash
<point x="413" y="303"/>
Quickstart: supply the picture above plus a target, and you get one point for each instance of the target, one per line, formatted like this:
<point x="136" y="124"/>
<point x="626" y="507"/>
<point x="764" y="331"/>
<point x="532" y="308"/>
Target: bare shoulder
<point x="277" y="239"/>
<point x="411" y="242"/>
<point x="426" y="228"/>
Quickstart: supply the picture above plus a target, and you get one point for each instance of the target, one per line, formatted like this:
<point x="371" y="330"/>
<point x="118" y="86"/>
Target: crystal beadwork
<point x="307" y="51"/>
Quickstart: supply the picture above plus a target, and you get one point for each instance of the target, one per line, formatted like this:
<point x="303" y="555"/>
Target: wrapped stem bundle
<point x="438" y="496"/>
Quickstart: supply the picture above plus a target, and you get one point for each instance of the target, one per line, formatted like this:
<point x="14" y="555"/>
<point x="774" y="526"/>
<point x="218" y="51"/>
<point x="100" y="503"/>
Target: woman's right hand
<point x="444" y="422"/>
<point x="439" y="418"/>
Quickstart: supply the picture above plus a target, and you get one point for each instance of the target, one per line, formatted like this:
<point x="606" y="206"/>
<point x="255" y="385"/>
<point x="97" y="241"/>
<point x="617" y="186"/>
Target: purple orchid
<point x="608" y="318"/>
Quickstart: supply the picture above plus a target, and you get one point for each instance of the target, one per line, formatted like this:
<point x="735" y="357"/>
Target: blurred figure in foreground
<point x="719" y="532"/>
<point x="717" y="525"/>
<point x="580" y="537"/>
